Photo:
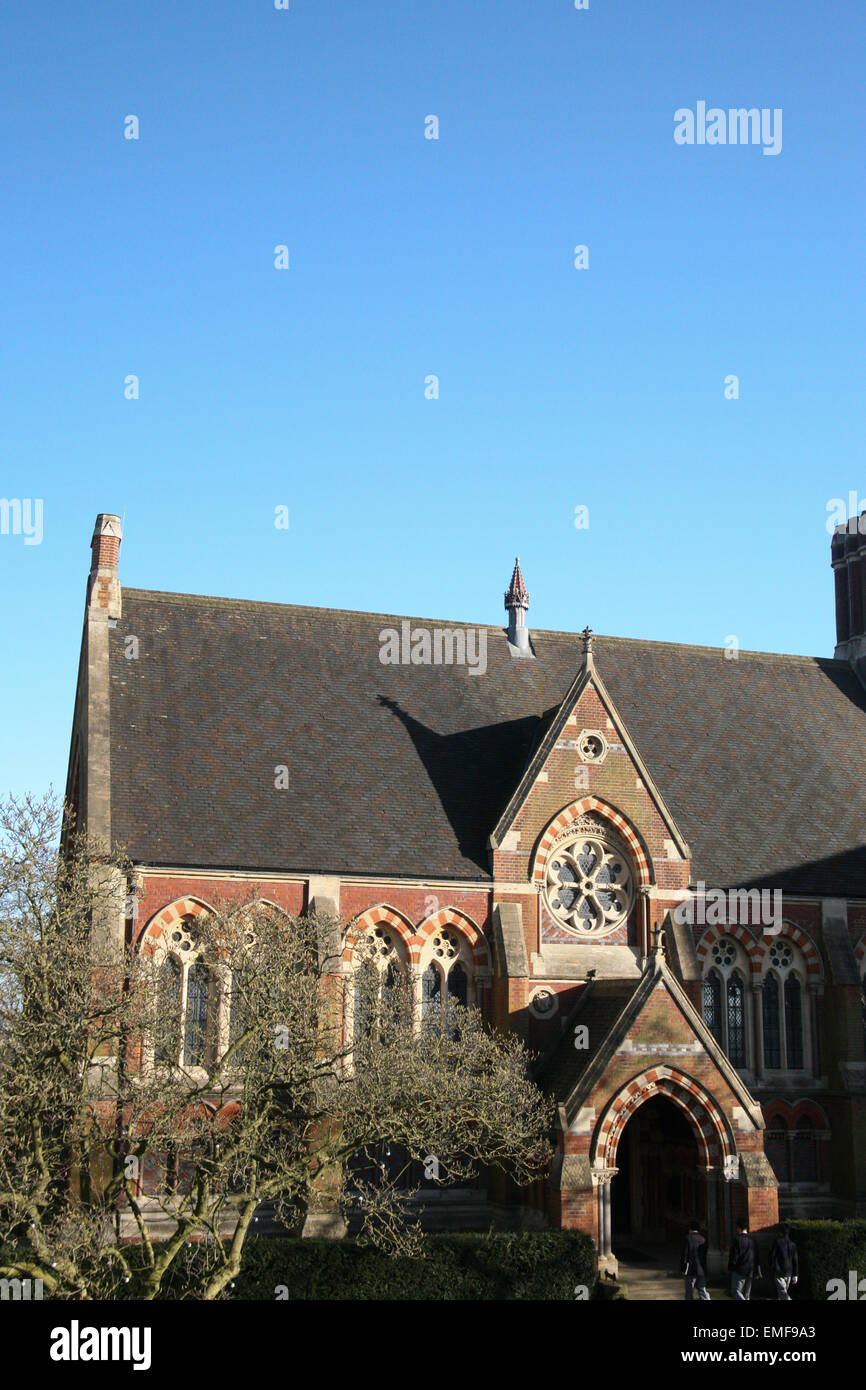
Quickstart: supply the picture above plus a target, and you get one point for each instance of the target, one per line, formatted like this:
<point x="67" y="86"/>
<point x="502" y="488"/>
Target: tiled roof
<point x="598" y="1011"/>
<point x="403" y="770"/>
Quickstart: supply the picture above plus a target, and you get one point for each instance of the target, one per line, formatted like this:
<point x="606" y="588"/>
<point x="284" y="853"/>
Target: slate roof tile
<point x="404" y="770"/>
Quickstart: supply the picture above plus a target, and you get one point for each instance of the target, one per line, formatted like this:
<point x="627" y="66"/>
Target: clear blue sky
<point x="408" y="257"/>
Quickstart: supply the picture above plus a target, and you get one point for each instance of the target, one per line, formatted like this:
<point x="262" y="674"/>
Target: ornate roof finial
<point x="587" y="636"/>
<point x="517" y="595"/>
<point x="516" y="603"/>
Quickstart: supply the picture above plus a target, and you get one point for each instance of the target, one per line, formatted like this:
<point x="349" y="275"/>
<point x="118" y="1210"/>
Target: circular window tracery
<point x="724" y="953"/>
<point x="591" y="745"/>
<point x="781" y="955"/>
<point x="382" y="944"/>
<point x="589" y="884"/>
<point x="446" y="946"/>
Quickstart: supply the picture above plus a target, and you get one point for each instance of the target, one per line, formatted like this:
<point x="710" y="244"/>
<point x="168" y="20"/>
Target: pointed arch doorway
<point x="659" y="1185"/>
<point x="671" y="1169"/>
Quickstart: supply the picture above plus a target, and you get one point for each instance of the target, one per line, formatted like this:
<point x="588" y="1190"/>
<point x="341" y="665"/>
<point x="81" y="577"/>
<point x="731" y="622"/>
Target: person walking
<point x="693" y="1263"/>
<point x="744" y="1263"/>
<point x="784" y="1265"/>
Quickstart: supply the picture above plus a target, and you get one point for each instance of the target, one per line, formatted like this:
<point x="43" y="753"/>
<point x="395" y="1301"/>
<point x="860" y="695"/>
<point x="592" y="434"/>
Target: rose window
<point x="724" y="953"/>
<point x="589" y="885"/>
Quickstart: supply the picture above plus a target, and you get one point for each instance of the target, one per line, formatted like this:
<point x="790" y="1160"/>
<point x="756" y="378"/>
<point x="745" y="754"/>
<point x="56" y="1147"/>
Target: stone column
<point x="814" y="1048"/>
<point x="758" y="1027"/>
<point x="606" y="1258"/>
<point x="715" y="1238"/>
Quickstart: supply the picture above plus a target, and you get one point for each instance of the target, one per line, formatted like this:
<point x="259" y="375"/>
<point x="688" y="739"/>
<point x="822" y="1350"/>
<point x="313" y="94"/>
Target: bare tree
<point x="140" y="1141"/>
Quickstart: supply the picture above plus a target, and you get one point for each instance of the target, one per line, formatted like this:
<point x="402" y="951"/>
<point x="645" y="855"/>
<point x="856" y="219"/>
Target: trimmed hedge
<point x="499" y="1265"/>
<point x="828" y="1250"/>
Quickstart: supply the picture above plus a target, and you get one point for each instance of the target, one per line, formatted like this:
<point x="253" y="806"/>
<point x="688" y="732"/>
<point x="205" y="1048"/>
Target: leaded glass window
<point x="736" y="1021"/>
<point x="456" y="986"/>
<point x="168" y="1012"/>
<point x="794" y="1022"/>
<point x="198" y="1000"/>
<point x="712" y="1006"/>
<point x="772" y="1030"/>
<point x="776" y="1149"/>
<point x="431" y="994"/>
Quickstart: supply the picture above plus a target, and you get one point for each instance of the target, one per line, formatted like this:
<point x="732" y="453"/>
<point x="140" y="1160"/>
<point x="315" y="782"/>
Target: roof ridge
<point x="221" y="601"/>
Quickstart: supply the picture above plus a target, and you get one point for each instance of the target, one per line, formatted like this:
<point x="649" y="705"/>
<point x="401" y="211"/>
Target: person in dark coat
<point x="784" y="1265"/>
<point x="744" y="1263"/>
<point x="693" y="1263"/>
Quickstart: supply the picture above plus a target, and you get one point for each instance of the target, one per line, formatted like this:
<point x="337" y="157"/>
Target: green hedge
<point x="827" y="1250"/>
<point x="500" y="1265"/>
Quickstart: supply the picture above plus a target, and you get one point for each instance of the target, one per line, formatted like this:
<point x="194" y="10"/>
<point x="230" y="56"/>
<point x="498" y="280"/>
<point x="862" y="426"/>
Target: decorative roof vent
<point x="516" y="605"/>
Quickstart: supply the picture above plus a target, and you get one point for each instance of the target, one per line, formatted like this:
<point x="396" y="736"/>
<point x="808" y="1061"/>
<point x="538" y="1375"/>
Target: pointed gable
<point x="634" y="1028"/>
<point x="587" y="762"/>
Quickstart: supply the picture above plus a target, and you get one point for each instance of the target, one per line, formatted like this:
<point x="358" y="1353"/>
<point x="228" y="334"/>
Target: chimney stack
<point x="516" y="605"/>
<point x="103" y="589"/>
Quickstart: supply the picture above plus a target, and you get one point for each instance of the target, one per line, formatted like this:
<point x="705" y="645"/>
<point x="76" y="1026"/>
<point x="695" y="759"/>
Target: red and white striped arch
<point x="570" y="814"/>
<point x="164" y="921"/>
<point x="749" y="943"/>
<point x="715" y="1140"/>
<point x="414" y="939"/>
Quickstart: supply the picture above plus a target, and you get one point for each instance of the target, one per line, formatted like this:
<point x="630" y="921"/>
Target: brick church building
<point x="646" y="858"/>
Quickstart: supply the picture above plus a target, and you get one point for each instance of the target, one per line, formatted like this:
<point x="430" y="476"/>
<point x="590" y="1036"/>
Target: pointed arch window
<point x="772" y="1029"/>
<point x="736" y="1019"/>
<point x="712" y="1006"/>
<point x="431" y="993"/>
<point x="199" y="1018"/>
<point x="725" y="1000"/>
<point x="188" y="1023"/>
<point x="378" y="978"/>
<point x="440" y="985"/>
<point x="777" y="1148"/>
<point x="794" y="1022"/>
<point x="168" y="997"/>
<point x="787" y="1043"/>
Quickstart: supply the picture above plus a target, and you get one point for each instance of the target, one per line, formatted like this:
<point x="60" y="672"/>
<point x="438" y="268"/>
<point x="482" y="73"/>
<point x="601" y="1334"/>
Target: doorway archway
<point x="659" y="1185"/>
<point x="713" y="1157"/>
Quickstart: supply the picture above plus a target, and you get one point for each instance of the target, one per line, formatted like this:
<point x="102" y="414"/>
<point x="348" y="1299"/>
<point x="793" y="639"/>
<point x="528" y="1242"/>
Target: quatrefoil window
<point x="781" y="955"/>
<point x="589" y="885"/>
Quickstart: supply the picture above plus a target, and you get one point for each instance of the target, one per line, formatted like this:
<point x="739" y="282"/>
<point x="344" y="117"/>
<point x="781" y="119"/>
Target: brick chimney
<point x="103" y="588"/>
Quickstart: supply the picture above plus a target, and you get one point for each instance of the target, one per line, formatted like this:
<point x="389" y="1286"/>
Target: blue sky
<point x="305" y="387"/>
